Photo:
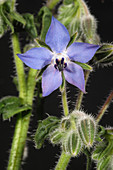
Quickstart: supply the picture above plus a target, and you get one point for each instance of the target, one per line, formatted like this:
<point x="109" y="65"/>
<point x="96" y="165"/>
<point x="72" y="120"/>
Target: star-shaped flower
<point x="59" y="59"/>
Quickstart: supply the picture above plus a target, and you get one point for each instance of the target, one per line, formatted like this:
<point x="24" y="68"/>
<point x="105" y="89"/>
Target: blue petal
<point x="36" y="58"/>
<point x="57" y="36"/>
<point x="81" y="52"/>
<point x="74" y="75"/>
<point x="51" y="80"/>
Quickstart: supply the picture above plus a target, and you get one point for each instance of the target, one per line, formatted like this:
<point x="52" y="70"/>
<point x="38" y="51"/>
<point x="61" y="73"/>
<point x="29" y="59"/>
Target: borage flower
<point x="59" y="59"/>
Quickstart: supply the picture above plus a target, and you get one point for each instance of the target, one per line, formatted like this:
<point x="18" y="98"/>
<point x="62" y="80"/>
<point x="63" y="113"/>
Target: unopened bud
<point x="56" y="136"/>
<point x="87" y="130"/>
<point x="88" y="26"/>
<point x="72" y="143"/>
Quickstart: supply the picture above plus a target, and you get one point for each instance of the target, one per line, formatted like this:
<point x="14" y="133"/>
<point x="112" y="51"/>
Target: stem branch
<point x="80" y="95"/>
<point x="104" y="107"/>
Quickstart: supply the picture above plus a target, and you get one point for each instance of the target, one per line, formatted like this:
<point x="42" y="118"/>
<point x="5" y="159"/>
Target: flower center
<point x="60" y="61"/>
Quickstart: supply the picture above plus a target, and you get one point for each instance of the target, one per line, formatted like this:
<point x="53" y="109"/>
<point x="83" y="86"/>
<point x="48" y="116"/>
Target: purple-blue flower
<point x="59" y="59"/>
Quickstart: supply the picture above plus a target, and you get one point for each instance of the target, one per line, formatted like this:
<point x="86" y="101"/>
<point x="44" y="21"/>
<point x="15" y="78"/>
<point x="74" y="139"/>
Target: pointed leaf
<point x="18" y="17"/>
<point x="44" y="128"/>
<point x="11" y="105"/>
<point x="6" y="20"/>
<point x="46" y="21"/>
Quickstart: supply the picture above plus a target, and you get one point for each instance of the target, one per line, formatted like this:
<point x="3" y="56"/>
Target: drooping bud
<point x="88" y="26"/>
<point x="87" y="130"/>
<point x="72" y="143"/>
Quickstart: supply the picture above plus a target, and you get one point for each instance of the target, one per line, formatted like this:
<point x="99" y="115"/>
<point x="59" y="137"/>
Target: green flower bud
<point x="72" y="143"/>
<point x="56" y="136"/>
<point x="87" y="130"/>
<point x="89" y="26"/>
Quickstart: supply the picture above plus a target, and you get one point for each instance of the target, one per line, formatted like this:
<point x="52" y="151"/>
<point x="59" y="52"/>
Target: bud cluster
<point x="75" y="132"/>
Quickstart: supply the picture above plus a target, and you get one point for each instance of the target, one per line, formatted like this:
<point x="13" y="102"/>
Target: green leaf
<point x="30" y="25"/>
<point x="44" y="128"/>
<point x="46" y="21"/>
<point x="18" y="17"/>
<point x="6" y="20"/>
<point x="84" y="65"/>
<point x="11" y="105"/>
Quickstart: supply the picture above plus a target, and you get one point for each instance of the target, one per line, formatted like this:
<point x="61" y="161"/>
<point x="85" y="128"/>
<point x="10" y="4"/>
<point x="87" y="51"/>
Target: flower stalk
<point x="64" y="100"/>
<point x="80" y="95"/>
<point x="104" y="107"/>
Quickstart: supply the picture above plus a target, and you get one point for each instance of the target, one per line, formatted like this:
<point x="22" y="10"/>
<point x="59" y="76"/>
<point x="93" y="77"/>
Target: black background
<point x="99" y="86"/>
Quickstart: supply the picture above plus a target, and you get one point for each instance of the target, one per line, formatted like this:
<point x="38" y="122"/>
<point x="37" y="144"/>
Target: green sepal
<point x="42" y="43"/>
<point x="72" y="143"/>
<point x="43" y="130"/>
<point x="10" y="106"/>
<point x="104" y="55"/>
<point x="87" y="131"/>
<point x="18" y="17"/>
<point x="30" y="25"/>
<point x="46" y="21"/>
<point x="84" y="66"/>
<point x="72" y="39"/>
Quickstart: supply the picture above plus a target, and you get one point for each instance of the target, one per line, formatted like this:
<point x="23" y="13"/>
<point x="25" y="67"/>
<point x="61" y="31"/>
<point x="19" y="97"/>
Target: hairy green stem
<point x="89" y="161"/>
<point x="64" y="100"/>
<point x="80" y="95"/>
<point x="19" y="68"/>
<point x="26" y="94"/>
<point x="52" y="3"/>
<point x="63" y="161"/>
<point x="104" y="107"/>
<point x="31" y="85"/>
